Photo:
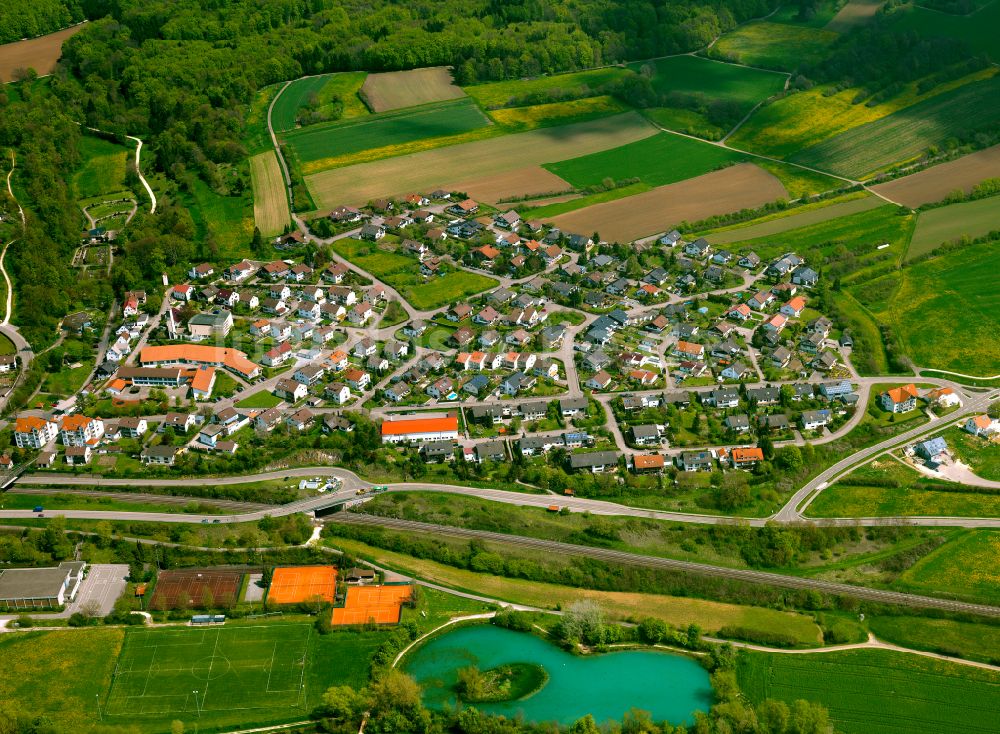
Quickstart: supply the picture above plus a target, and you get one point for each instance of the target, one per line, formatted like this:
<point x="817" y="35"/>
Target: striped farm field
<point x="908" y="133"/>
<point x="878" y="691"/>
<point x="519" y="119"/>
<point x="934" y="184"/>
<point x="430" y="169"/>
<point x="528" y="181"/>
<point x="944" y="224"/>
<point x="743" y="186"/>
<point x="323" y="146"/>
<point x="394" y="90"/>
<point x="270" y="202"/>
<point x="517" y="92"/>
<point x="40" y="54"/>
<point x="325" y="88"/>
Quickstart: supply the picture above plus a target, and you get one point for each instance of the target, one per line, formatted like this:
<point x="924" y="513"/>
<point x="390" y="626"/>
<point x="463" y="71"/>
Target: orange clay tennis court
<point x="380" y="604"/>
<point x="302" y="583"/>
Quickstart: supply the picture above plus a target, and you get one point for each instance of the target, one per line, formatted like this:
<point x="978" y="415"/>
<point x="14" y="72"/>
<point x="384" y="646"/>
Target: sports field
<point x="432" y="168"/>
<point x="658" y="160"/>
<point x="332" y="144"/>
<point x="710" y="80"/>
<point x="774" y="45"/>
<point x="979" y="30"/>
<point x="936" y="183"/>
<point x="947" y="223"/>
<point x="393" y="90"/>
<point x="381" y="604"/>
<point x="40" y="54"/>
<point x="296" y="584"/>
<point x="324" y="89"/>
<point x="743" y="186"/>
<point x="270" y="201"/>
<point x="908" y="133"/>
<point x="878" y="691"/>
<point x="200" y="588"/>
<point x="166" y="672"/>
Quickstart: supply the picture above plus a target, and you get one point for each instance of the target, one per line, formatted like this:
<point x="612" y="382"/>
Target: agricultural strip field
<point x="774" y="45"/>
<point x="934" y="184"/>
<point x="40" y="54"/>
<point x="853" y="14"/>
<point x="325" y="88"/>
<point x="979" y="30"/>
<point x="737" y="187"/>
<point x="878" y="691"/>
<point x="396" y="89"/>
<point x="656" y="161"/>
<point x="964" y="300"/>
<point x="709" y="79"/>
<point x="947" y="223"/>
<point x="788" y="125"/>
<point x="431" y="168"/>
<point x="520" y="92"/>
<point x="710" y="615"/>
<point x="519" y="119"/>
<point x="102" y="170"/>
<point x="270" y="202"/>
<point x="530" y="181"/>
<point x="971" y="563"/>
<point x="795" y="220"/>
<point x="323" y="146"/>
<point x="907" y="134"/>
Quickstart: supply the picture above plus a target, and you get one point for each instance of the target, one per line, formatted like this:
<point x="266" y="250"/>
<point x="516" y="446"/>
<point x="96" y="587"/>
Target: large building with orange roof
<point x="80" y="430"/>
<point x="32" y="432"/>
<point x="231" y="359"/>
<point x="417" y="428"/>
<point x="899" y="399"/>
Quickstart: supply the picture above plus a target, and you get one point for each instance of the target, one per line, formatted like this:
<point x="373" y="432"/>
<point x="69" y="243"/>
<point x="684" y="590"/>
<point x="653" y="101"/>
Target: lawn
<point x="225" y="385"/>
<point x="260" y="400"/>
<point x="326" y="145"/>
<point x="908" y="133"/>
<point x="978" y="29"/>
<point x="962" y="639"/>
<point x="709" y="615"/>
<point x="6" y="345"/>
<point x="946" y="223"/>
<point x="896" y="491"/>
<point x="449" y="288"/>
<point x="103" y="167"/>
<point x="710" y="80"/>
<point x="394" y="314"/>
<point x="982" y="456"/>
<point x="228" y="219"/>
<point x="77" y="663"/>
<point x="968" y="567"/>
<point x="326" y="89"/>
<point x="519" y="92"/>
<point x="878" y="691"/>
<point x="774" y="45"/>
<point x="67" y="381"/>
<point x="952" y="326"/>
<point x="659" y="160"/>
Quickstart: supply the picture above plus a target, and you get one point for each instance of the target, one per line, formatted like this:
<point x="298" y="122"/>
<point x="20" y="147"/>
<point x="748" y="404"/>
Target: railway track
<point x="701" y="569"/>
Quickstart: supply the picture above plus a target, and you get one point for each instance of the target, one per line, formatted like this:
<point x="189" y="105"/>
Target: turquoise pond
<point x="671" y="687"/>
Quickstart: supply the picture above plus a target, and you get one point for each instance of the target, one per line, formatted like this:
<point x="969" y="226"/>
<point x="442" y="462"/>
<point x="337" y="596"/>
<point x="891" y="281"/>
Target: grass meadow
<point x="659" y="160"/>
<point x="980" y="455"/>
<point x="513" y="93"/>
<point x="774" y="45"/>
<point x="325" y="145"/>
<point x="944" y="224"/>
<point x="102" y="170"/>
<point x="259" y="400"/>
<point x="228" y="219"/>
<point x="325" y="88"/>
<point x="519" y="119"/>
<point x="441" y="290"/>
<point x="965" y="639"/>
<point x="978" y="29"/>
<point x="684" y="121"/>
<point x="878" y="691"/>
<point x="969" y="565"/>
<point x="908" y="133"/>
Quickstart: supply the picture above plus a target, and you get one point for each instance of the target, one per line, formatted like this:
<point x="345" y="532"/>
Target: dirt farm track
<point x="742" y="186"/>
<point x="933" y="184"/>
<point x="40" y="54"/>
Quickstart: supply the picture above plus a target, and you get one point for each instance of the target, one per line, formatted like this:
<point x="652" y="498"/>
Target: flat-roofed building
<point x="418" y="428"/>
<point x="40" y="588"/>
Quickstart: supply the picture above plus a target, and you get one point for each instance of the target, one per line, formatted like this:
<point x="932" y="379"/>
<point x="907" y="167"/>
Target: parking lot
<point x="104" y="583"/>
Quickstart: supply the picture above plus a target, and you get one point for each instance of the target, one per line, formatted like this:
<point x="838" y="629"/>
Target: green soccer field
<point x="185" y="671"/>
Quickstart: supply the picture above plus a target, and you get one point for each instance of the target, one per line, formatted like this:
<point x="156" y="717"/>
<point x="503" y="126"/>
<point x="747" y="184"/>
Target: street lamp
<point x="97" y="698"/>
<point x="197" y="703"/>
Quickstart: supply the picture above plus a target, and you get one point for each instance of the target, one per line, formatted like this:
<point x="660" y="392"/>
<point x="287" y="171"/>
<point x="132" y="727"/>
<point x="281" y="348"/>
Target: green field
<point x="968" y="566"/>
<point x="908" y="133"/>
<point x="980" y="455"/>
<point x="946" y="223"/>
<point x="979" y="30"/>
<point x="103" y="167"/>
<point x="520" y="119"/>
<point x="261" y="399"/>
<point x="659" y="160"/>
<point x="341" y="139"/>
<point x="711" y="80"/>
<point x="227" y="219"/>
<point x="520" y="92"/>
<point x="325" y="88"/>
<point x="878" y="691"/>
<point x="450" y="288"/>
<point x="965" y="639"/>
<point x="822" y="14"/>
<point x="774" y="45"/>
<point x="684" y="121"/>
<point x="952" y="325"/>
